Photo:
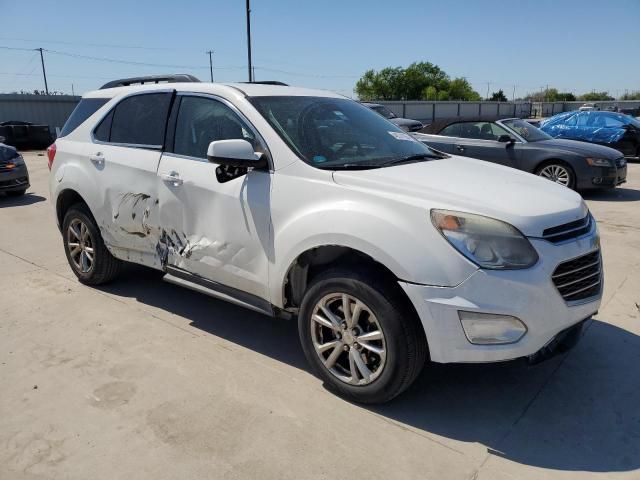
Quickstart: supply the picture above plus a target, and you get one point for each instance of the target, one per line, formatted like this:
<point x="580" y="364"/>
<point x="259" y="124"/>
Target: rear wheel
<point x="558" y="173"/>
<point x="89" y="259"/>
<point x="360" y="336"/>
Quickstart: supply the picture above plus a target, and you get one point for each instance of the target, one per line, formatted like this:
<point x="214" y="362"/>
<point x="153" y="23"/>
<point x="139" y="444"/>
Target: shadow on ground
<point x="618" y="194"/>
<point x="26" y="199"/>
<point x="584" y="416"/>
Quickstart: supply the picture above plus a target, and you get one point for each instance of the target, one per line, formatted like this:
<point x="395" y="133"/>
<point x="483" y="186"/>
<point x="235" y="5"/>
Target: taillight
<point x="51" y="154"/>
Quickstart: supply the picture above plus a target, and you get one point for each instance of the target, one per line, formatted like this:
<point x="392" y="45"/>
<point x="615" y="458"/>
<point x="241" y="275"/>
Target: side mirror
<point x="235" y="153"/>
<point x="506" y="139"/>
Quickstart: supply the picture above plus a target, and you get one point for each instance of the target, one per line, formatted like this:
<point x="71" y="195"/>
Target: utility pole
<point x="253" y="74"/>
<point x="488" y="85"/>
<point x="249" y="41"/>
<point x="73" y="91"/>
<point x="210" y="52"/>
<point x="513" y="95"/>
<point x="44" y="73"/>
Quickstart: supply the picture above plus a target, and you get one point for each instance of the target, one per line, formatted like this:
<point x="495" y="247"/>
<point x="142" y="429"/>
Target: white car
<point x="303" y="203"/>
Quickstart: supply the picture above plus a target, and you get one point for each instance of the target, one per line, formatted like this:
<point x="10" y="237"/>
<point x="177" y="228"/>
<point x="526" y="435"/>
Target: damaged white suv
<point x="303" y="203"/>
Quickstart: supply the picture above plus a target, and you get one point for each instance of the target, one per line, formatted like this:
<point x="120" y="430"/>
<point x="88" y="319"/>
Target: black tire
<point x="105" y="267"/>
<point x="405" y="342"/>
<point x="17" y="193"/>
<point x="572" y="176"/>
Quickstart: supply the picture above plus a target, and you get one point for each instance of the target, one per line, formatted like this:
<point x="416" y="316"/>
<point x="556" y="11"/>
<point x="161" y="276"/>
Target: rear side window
<point x="84" y="109"/>
<point x="140" y="120"/>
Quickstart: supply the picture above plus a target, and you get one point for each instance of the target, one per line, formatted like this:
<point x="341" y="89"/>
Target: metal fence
<point x="427" y="112"/>
<point x="52" y="110"/>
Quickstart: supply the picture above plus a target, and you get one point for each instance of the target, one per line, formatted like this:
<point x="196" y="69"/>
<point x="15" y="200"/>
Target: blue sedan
<point x="612" y="129"/>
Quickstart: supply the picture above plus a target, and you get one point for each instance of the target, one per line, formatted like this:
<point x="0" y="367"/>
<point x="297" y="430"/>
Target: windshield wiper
<point x="351" y="166"/>
<point x="411" y="158"/>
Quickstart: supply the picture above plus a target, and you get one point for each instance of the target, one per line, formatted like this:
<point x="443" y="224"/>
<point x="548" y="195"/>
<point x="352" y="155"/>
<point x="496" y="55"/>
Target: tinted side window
<point x="103" y="131"/>
<point x="84" y="109"/>
<point x="452" y="130"/>
<point x="203" y="120"/>
<point x="141" y="119"/>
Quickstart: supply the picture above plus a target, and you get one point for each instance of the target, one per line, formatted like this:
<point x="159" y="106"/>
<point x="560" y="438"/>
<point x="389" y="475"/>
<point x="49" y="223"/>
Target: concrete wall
<point x="52" y="110"/>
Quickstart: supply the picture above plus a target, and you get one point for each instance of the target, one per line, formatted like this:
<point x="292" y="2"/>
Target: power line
<point x="101" y="45"/>
<point x="311" y="75"/>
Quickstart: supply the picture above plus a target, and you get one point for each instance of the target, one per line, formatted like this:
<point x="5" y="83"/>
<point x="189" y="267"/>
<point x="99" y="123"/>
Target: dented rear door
<point x="125" y="154"/>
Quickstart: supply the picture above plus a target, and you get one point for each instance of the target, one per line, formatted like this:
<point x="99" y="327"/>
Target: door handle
<point x="460" y="148"/>
<point x="172" y="178"/>
<point x="97" y="159"/>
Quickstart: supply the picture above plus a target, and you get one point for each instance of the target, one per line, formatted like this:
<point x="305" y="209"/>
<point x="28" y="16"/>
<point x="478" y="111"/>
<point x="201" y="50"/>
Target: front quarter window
<point x="328" y="132"/>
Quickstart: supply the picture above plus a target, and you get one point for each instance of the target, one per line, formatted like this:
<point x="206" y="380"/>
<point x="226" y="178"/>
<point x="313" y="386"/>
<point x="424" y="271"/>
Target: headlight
<point x="487" y="242"/>
<point x="17" y="160"/>
<point x="599" y="162"/>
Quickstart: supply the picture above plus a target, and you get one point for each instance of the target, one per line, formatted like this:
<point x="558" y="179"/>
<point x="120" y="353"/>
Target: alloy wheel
<point x="556" y="173"/>
<point x="80" y="245"/>
<point x="348" y="339"/>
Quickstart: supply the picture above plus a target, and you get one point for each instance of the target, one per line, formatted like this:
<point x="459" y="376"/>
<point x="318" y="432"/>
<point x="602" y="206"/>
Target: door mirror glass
<point x="235" y="153"/>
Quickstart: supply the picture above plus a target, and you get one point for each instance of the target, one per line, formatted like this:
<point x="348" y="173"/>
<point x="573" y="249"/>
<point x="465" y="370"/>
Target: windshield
<point x="384" y="111"/>
<point x="526" y="130"/>
<point x="337" y="132"/>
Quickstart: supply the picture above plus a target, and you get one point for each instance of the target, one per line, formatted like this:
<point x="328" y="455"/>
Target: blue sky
<point x="572" y="45"/>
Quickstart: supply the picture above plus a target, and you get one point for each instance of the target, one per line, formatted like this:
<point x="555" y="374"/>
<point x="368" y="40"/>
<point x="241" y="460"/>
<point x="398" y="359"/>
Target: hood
<point x="526" y="201"/>
<point x="581" y="148"/>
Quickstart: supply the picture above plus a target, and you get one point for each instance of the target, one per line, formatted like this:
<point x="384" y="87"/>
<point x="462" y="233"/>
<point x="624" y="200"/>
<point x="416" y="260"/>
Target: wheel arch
<point x="65" y="200"/>
<point x="311" y="262"/>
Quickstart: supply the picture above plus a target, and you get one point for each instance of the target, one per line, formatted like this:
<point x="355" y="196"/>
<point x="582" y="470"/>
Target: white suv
<point x="303" y="203"/>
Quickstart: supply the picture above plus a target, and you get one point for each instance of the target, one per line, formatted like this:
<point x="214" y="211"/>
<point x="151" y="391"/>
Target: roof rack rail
<point x="176" y="78"/>
<point x="268" y="82"/>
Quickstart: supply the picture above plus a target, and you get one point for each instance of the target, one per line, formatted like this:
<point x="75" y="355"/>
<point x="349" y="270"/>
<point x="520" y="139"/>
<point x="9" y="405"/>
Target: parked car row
<point x="14" y="177"/>
<point x="516" y="143"/>
<point x="615" y="130"/>
<point x="303" y="204"/>
<point x="25" y="134"/>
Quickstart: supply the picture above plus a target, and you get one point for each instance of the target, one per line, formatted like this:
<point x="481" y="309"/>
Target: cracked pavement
<point x="142" y="379"/>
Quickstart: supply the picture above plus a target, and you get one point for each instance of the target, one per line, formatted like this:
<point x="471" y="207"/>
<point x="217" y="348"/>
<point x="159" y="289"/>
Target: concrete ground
<point x="144" y="380"/>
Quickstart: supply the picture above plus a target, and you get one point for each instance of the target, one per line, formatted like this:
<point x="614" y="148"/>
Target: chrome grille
<point x="579" y="278"/>
<point x="568" y="230"/>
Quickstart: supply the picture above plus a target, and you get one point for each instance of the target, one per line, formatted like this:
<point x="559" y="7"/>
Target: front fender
<point x="396" y="234"/>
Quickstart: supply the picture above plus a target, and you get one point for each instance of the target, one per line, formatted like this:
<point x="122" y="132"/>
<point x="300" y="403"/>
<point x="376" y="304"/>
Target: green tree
<point x="595" y="96"/>
<point x="498" y="96"/>
<point x="550" y="95"/>
<point x="419" y="81"/>
<point x="635" y="95"/>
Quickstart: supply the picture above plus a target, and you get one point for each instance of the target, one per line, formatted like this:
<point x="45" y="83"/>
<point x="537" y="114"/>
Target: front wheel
<point x="360" y="336"/>
<point x="558" y="173"/>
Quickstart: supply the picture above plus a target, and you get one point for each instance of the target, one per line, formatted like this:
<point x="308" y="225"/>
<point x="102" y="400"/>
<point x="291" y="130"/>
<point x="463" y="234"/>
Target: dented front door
<point x="218" y="231"/>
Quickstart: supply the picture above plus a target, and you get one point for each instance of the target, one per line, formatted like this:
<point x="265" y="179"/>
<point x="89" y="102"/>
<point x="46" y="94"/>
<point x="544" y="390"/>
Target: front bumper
<point x="529" y="295"/>
<point x="603" y="177"/>
<point x="14" y="179"/>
